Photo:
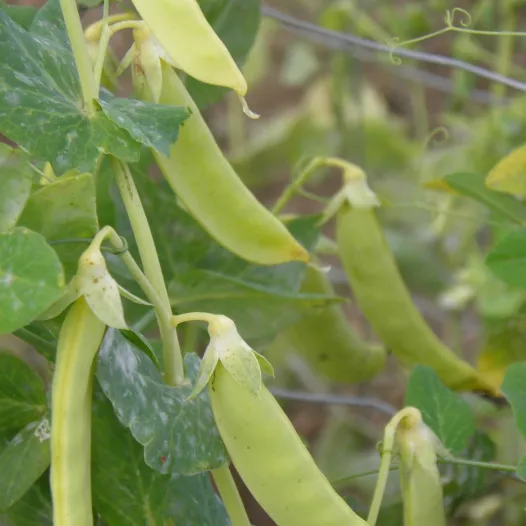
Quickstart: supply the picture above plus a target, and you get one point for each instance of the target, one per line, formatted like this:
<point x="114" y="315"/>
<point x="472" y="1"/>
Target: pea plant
<point x="152" y="308"/>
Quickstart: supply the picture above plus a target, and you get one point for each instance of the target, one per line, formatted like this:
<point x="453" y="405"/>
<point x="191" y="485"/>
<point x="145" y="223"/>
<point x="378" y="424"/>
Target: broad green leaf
<point x="64" y="210"/>
<point x="508" y="257"/>
<point x="22" y="394"/>
<point x="127" y="492"/>
<point x="33" y="509"/>
<point x="178" y="436"/>
<point x="15" y="180"/>
<point x="23" y="461"/>
<point x="236" y="22"/>
<point x="514" y="389"/>
<point x="521" y="468"/>
<point x="31" y="278"/>
<point x="41" y="100"/>
<point x="154" y="125"/>
<point x="472" y="185"/>
<point x="444" y="411"/>
<point x="509" y="174"/>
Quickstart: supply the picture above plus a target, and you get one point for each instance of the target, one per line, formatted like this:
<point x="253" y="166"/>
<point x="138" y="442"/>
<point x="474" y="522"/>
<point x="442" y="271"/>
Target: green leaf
<point x="22" y="394"/>
<point x="236" y="22"/>
<point x="178" y="436"/>
<point x="64" y="210"/>
<point x="23" y="461"/>
<point x="33" y="509"/>
<point x="472" y="185"/>
<point x="127" y="492"/>
<point x="15" y="176"/>
<point x="444" y="411"/>
<point x="507" y="258"/>
<point x="521" y="468"/>
<point x="41" y="100"/>
<point x="31" y="278"/>
<point x="154" y="125"/>
<point x="514" y="389"/>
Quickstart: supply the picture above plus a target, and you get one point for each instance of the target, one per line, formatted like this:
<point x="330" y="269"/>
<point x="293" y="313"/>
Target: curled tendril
<point x="465" y="17"/>
<point x="394" y="43"/>
<point x="439" y="135"/>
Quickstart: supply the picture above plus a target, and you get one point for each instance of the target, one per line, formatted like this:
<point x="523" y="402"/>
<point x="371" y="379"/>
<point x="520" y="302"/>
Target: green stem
<point x="505" y="49"/>
<point x="477" y="464"/>
<point x="341" y="483"/>
<point x="303" y="177"/>
<point x="230" y="495"/>
<point x="80" y="53"/>
<point x="173" y="361"/>
<point x="385" y="464"/>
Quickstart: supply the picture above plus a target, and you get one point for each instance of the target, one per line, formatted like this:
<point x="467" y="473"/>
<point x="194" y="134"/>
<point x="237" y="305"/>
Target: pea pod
<point x="328" y="343"/>
<point x="78" y="342"/>
<point x="212" y="192"/>
<point x="191" y="43"/>
<point x="271" y="459"/>
<point x="387" y="304"/>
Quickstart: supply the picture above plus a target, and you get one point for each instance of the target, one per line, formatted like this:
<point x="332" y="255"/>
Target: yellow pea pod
<point x="78" y="343"/>
<point x="422" y="493"/>
<point x="272" y="460"/>
<point x="384" y="299"/>
<point x="212" y="192"/>
<point x="183" y="31"/>
<point x="327" y="341"/>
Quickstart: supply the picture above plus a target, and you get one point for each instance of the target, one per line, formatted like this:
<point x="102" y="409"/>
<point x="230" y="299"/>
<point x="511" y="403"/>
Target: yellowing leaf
<point x="509" y="174"/>
<point x="440" y="185"/>
<point x="503" y="348"/>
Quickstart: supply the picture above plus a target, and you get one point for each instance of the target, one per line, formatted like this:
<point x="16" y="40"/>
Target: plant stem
<point x="295" y="185"/>
<point x="80" y="53"/>
<point x="477" y="464"/>
<point x="230" y="495"/>
<point x="173" y="361"/>
<point x="505" y="45"/>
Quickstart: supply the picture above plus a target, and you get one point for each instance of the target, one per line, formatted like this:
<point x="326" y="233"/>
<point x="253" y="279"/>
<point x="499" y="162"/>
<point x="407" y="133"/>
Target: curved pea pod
<point x="326" y="340"/>
<point x="272" y="460"/>
<point x="212" y="192"/>
<point x="78" y="343"/>
<point x="183" y="31"/>
<point x="384" y="299"/>
<point x="422" y="493"/>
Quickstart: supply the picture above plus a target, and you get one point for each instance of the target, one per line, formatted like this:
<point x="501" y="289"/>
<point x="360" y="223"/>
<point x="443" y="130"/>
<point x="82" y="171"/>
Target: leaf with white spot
<point x="22" y="462"/>
<point x="15" y="179"/>
<point x="31" y="278"/>
<point x="154" y="125"/>
<point x="22" y="394"/>
<point x="126" y="492"/>
<point x="41" y="102"/>
<point x="178" y="436"/>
